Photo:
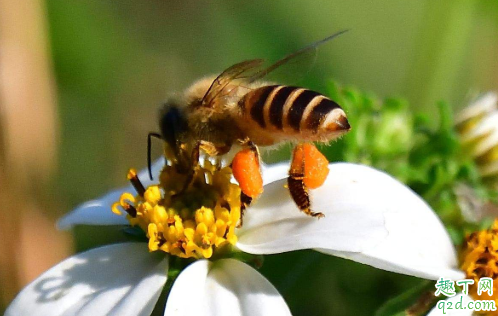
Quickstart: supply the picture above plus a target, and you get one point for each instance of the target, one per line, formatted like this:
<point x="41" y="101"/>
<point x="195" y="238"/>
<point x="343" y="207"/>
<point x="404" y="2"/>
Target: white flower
<point x="483" y="105"/>
<point x="478" y="127"/>
<point x="369" y="217"/>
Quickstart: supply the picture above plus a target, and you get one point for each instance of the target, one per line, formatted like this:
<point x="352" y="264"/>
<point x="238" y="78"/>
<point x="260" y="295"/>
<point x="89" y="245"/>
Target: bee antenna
<point x="149" y="147"/>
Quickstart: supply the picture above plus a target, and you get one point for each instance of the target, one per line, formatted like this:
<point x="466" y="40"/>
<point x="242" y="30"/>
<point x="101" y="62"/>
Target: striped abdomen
<point x="293" y="111"/>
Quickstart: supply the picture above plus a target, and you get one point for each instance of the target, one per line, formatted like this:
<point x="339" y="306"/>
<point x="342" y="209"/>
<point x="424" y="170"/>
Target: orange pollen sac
<point x="314" y="163"/>
<point x="245" y="168"/>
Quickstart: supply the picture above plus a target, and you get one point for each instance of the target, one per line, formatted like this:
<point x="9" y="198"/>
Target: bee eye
<point x="172" y="124"/>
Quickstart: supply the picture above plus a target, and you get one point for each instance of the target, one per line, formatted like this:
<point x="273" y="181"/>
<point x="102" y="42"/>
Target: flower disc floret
<point x="480" y="260"/>
<point x="188" y="221"/>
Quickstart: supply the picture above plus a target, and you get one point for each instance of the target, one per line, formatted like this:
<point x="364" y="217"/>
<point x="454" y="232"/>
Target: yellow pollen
<point x="480" y="259"/>
<point x="187" y="222"/>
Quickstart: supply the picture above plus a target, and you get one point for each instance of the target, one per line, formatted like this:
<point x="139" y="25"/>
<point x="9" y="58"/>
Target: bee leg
<point x="214" y="150"/>
<point x="300" y="195"/>
<point x="194" y="162"/>
<point x="211" y="149"/>
<point x="247" y="172"/>
<point x="218" y="162"/>
<point x="245" y="202"/>
<point x="296" y="182"/>
<point x="149" y="147"/>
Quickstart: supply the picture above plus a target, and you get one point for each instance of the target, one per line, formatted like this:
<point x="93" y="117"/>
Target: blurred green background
<point x="114" y="62"/>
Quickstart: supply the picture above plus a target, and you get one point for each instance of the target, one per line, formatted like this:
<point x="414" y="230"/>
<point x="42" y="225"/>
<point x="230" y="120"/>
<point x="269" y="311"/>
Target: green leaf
<point x="408" y="300"/>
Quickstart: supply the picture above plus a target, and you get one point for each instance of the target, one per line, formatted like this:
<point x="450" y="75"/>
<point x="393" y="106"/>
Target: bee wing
<point x="240" y="71"/>
<point x="304" y="52"/>
<point x="252" y="70"/>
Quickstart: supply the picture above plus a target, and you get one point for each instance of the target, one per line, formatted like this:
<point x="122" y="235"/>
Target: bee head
<point x="173" y="124"/>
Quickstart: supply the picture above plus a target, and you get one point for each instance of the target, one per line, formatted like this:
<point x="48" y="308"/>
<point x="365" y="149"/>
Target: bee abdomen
<point x="254" y="103"/>
<point x="287" y="107"/>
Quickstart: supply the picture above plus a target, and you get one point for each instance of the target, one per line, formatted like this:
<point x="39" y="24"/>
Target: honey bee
<point x="238" y="107"/>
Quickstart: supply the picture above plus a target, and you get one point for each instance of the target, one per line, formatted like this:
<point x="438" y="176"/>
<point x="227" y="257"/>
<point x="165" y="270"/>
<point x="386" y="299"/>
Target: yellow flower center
<point x="480" y="259"/>
<point x="188" y="221"/>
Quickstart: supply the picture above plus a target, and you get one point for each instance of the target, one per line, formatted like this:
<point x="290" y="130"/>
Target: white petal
<point x="98" y="212"/>
<point x="489" y="124"/>
<point x="274" y="224"/>
<point x="225" y="287"/>
<point x="121" y="279"/>
<point x="95" y="212"/>
<point x="464" y="299"/>
<point x="274" y="172"/>
<point x="487" y="129"/>
<point x="369" y="217"/>
<point x="485" y="104"/>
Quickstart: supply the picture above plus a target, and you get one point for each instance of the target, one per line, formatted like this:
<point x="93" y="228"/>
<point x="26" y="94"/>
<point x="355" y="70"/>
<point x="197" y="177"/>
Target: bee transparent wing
<point x="220" y="86"/>
<point x="252" y="70"/>
<point x="306" y="53"/>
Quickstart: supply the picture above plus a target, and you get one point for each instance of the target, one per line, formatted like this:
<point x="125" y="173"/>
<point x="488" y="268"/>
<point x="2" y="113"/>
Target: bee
<point x="238" y="107"/>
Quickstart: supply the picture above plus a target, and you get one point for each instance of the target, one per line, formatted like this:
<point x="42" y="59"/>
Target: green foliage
<point x="382" y="132"/>
<point x="418" y="300"/>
